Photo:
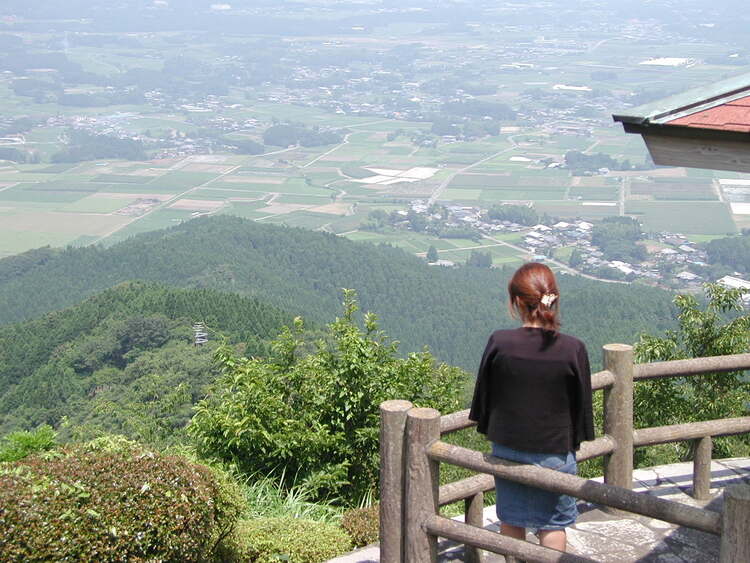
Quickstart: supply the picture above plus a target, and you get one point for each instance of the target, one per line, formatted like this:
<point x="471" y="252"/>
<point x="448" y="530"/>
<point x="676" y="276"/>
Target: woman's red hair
<point x="534" y="296"/>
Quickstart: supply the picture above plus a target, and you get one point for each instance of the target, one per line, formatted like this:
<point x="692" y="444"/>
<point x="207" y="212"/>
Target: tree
<point x="480" y="108"/>
<point x="576" y="258"/>
<point x="309" y="412"/>
<point x="521" y="214"/>
<point x="417" y="221"/>
<point x="432" y="254"/>
<point x="12" y="154"/>
<point x="245" y="146"/>
<point x="617" y="237"/>
<point x="730" y="251"/>
<point x="281" y="135"/>
<point x="721" y="327"/>
<point x="444" y="126"/>
<point x="479" y="259"/>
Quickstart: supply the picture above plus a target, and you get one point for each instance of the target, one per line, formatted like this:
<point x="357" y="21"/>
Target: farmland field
<point x="675" y="189"/>
<point x="335" y="187"/>
<point x="710" y="218"/>
<point x="321" y="195"/>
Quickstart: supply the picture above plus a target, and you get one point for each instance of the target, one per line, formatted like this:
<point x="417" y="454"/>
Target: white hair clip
<point x="548" y="299"/>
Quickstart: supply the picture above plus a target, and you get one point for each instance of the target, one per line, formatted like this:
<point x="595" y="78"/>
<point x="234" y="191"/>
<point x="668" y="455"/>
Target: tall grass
<point x="266" y="497"/>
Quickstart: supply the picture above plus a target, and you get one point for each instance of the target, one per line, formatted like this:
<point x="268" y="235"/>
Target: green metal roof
<point x="687" y="102"/>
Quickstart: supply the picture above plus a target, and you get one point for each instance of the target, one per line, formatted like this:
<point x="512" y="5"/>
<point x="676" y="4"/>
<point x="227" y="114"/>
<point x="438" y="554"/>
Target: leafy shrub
<point x="362" y="525"/>
<point x="313" y="416"/>
<point x="18" y="445"/>
<point x="719" y="327"/>
<point x="110" y="501"/>
<point x="269" y="540"/>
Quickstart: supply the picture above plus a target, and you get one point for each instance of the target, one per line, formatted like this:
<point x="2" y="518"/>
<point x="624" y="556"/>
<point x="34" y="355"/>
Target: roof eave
<point x="685" y="132"/>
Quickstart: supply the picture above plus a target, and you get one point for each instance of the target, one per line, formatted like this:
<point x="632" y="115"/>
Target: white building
<point x="734" y="283"/>
<point x="687" y="276"/>
<point x="737" y="283"/>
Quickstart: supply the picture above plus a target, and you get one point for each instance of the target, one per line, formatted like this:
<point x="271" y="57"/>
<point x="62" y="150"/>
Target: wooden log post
<point x="618" y="415"/>
<point x="422" y="485"/>
<point x="702" y="469"/>
<point x="392" y="428"/>
<point x="735" y="533"/>
<point x="474" y="516"/>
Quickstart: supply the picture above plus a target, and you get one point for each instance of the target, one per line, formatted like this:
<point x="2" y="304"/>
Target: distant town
<point x="671" y="259"/>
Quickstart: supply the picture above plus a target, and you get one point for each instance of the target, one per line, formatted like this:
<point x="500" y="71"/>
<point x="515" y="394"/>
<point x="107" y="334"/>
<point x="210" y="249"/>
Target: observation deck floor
<point x="608" y="538"/>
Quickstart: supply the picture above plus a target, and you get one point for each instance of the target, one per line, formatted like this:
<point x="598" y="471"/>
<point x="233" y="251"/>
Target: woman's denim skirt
<point x="529" y="507"/>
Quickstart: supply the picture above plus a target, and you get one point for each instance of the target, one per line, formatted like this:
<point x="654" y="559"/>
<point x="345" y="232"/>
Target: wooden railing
<point x="411" y="452"/>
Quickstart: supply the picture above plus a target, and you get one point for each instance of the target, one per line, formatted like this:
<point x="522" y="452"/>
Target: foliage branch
<point x="721" y="327"/>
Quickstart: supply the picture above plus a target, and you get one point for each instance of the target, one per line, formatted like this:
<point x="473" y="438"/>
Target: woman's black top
<point x="533" y="391"/>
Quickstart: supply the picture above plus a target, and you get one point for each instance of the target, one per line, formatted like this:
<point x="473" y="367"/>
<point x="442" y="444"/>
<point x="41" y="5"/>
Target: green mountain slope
<point x="450" y="310"/>
<point x="124" y="360"/>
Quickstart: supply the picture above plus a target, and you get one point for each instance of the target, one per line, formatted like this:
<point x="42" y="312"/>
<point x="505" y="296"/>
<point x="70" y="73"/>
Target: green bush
<point x="310" y="411"/>
<point x="18" y="445"/>
<point x="718" y="327"/>
<point x="270" y="540"/>
<point x="111" y="501"/>
<point x="362" y="525"/>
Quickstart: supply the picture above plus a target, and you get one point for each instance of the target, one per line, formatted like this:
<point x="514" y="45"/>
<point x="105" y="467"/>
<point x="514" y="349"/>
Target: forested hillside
<point x="124" y="361"/>
<point x="450" y="310"/>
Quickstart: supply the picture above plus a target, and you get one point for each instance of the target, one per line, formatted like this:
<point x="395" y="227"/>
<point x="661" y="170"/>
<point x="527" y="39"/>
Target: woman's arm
<point x="479" y="404"/>
<point x="584" y="416"/>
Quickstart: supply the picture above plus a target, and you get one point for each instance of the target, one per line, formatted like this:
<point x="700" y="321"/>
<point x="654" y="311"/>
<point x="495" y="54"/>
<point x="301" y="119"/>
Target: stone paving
<point x="609" y="538"/>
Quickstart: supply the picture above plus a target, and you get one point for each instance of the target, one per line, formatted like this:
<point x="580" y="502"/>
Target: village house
<point x="733" y="282"/>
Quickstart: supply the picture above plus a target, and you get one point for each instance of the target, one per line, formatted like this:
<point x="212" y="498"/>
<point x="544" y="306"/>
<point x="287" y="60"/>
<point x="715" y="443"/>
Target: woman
<point x="533" y="402"/>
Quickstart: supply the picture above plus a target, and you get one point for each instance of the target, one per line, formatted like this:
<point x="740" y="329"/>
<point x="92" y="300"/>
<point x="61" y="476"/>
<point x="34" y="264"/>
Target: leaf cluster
<point x="113" y="502"/>
<point x="719" y="327"/>
<point x="362" y="525"/>
<point x="733" y="252"/>
<point x="296" y="540"/>
<point x="18" y="445"/>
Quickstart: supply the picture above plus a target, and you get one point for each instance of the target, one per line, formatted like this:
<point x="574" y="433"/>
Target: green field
<point x="178" y="181"/>
<point x="119" y="179"/>
<point x="675" y="189"/>
<point x="595" y="193"/>
<point x="97" y="205"/>
<point x="707" y="218"/>
<point x="24" y="193"/>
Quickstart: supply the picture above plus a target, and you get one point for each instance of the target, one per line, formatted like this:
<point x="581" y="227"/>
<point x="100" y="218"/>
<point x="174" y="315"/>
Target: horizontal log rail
<point x="595" y="448"/>
<point x="691" y="431"/>
<point x="563" y="483"/>
<point x="465" y="488"/>
<point x="693" y="366"/>
<point x="494" y="542"/>
<point x="455" y="421"/>
<point x="481" y="483"/>
<point x="602" y="380"/>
